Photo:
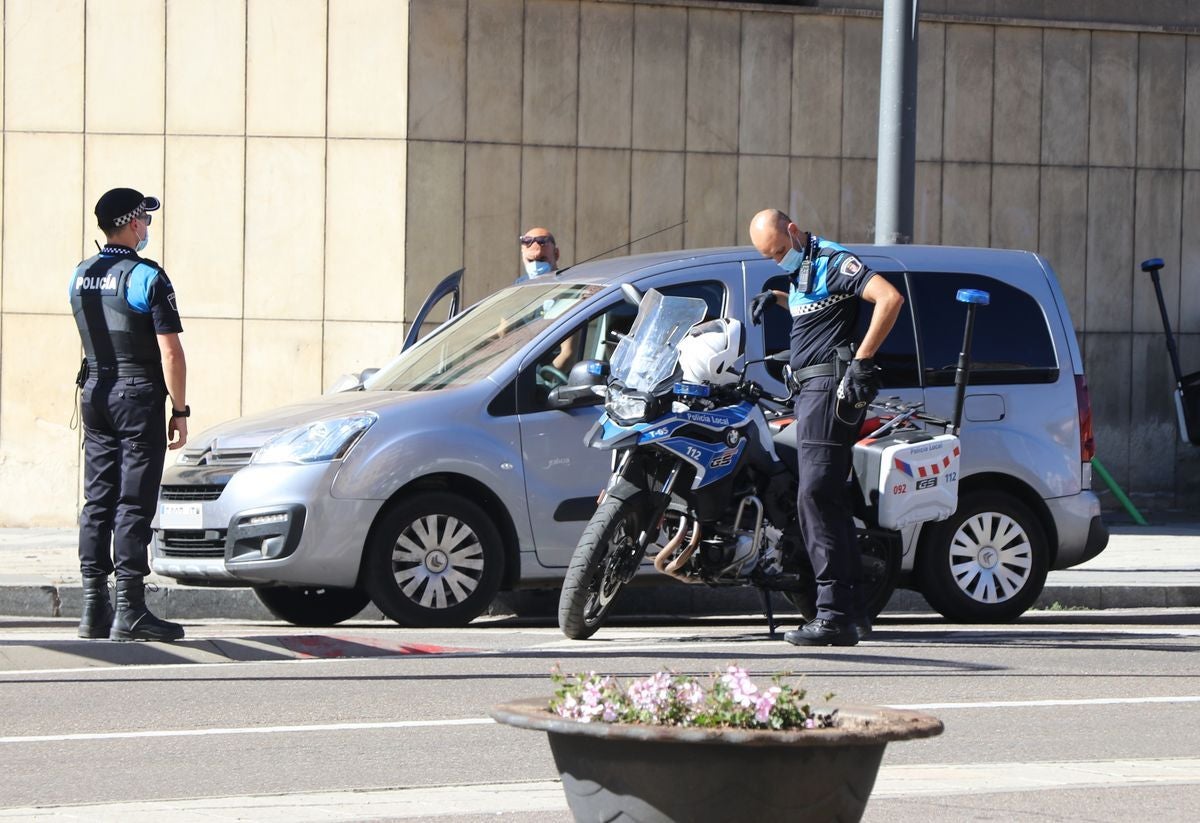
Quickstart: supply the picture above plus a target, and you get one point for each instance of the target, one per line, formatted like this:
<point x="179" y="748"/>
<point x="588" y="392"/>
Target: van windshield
<point x="472" y="345"/>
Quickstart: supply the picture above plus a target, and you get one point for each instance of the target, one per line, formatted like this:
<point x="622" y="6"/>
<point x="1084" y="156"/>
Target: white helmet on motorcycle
<point x="710" y="351"/>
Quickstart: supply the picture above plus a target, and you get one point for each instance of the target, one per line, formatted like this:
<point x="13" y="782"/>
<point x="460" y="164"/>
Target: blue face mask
<point x="536" y="268"/>
<point x="143" y="241"/>
<point x="792" y="260"/>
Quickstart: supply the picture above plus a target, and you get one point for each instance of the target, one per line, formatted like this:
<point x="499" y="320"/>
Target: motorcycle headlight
<point x="625" y="407"/>
<point x="316" y="442"/>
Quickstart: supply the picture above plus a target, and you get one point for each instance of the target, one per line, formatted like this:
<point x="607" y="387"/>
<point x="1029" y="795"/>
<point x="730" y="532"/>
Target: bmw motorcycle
<point x="703" y="488"/>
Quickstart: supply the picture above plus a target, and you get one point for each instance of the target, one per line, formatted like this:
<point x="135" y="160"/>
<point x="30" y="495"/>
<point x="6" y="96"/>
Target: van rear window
<point x="1012" y="343"/>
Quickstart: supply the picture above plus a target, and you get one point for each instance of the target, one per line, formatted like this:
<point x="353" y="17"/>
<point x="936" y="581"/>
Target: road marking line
<point x="483" y="721"/>
<point x="547" y="795"/>
<point x="1023" y="704"/>
<point x="319" y="727"/>
<point x="985" y="778"/>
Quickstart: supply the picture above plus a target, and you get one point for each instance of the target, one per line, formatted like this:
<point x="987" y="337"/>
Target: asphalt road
<point x="1069" y="715"/>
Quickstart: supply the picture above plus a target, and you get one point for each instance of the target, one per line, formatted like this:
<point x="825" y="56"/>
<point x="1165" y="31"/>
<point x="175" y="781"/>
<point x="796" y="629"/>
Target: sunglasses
<point x="526" y="240"/>
<point x="148" y="218"/>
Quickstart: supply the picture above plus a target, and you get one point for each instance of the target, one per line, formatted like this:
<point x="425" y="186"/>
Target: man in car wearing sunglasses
<point x="539" y="254"/>
<point x="124" y="306"/>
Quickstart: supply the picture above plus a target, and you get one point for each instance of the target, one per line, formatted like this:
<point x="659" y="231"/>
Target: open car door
<point x="450" y="286"/>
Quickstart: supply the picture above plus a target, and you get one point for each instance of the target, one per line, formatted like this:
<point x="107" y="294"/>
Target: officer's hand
<point x="176" y="433"/>
<point x="861" y="383"/>
<point x="759" y="305"/>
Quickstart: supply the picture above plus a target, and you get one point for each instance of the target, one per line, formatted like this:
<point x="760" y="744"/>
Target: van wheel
<point x="436" y="559"/>
<point x="987" y="563"/>
<point x="312" y="605"/>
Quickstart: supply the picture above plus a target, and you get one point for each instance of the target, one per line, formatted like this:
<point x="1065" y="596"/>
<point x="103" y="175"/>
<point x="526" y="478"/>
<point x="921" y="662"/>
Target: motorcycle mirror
<point x="631" y="294"/>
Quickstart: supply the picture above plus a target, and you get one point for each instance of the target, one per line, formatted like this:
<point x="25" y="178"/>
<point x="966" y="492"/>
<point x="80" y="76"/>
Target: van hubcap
<point x="990" y="557"/>
<point x="437" y="561"/>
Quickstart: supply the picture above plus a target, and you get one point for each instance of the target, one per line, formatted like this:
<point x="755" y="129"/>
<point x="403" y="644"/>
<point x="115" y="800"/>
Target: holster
<point x="835" y="368"/>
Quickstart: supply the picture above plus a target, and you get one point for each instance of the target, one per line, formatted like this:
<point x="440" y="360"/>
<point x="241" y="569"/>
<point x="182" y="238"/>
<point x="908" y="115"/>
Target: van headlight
<point x="316" y="442"/>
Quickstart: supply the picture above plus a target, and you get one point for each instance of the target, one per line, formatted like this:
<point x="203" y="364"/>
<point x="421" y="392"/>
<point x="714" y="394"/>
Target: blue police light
<point x="976" y="296"/>
<point x="691" y="389"/>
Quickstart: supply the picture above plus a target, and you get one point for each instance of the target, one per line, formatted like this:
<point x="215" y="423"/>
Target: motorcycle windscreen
<point x="648" y="355"/>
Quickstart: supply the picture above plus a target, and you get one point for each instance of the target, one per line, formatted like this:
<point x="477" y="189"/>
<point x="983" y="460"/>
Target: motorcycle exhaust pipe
<point x="662" y="560"/>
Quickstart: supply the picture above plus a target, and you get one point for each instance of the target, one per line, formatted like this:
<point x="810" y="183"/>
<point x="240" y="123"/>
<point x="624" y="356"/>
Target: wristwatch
<point x="186" y="411"/>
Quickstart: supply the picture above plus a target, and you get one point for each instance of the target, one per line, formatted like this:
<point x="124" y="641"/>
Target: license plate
<point x="181" y="516"/>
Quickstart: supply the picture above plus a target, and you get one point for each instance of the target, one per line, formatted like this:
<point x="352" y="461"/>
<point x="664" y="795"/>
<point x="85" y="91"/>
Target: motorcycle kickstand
<point x="768" y="611"/>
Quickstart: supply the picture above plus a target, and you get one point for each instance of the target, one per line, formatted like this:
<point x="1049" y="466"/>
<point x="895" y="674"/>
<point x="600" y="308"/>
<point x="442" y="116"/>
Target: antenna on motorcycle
<point x="623" y="245"/>
<point x="974" y="298"/>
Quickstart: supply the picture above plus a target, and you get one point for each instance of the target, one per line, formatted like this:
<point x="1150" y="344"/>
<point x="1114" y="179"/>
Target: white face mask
<point x="791" y="260"/>
<point x="536" y="268"/>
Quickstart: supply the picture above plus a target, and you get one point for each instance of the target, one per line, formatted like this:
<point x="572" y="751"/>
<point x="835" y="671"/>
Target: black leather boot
<point x="134" y="621"/>
<point x="97" y="617"/>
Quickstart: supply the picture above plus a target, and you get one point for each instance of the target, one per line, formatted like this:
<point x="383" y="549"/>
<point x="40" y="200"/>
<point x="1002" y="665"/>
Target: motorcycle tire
<point x="595" y="575"/>
<point x="880" y="575"/>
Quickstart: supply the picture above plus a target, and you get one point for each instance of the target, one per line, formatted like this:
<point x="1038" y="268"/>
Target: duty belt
<point x="809" y="372"/>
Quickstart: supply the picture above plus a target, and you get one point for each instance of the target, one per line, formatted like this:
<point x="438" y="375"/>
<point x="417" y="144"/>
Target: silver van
<point x="459" y="470"/>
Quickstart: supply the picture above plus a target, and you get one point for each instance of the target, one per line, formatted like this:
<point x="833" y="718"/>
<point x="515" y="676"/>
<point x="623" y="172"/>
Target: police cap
<point x="116" y="207"/>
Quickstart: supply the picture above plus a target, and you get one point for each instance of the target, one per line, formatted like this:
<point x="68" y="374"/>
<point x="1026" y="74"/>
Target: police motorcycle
<point x="702" y="487"/>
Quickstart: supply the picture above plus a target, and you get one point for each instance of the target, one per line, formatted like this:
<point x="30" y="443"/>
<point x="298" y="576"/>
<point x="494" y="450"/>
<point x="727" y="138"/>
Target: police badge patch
<point x="851" y="266"/>
<point x="171" y="300"/>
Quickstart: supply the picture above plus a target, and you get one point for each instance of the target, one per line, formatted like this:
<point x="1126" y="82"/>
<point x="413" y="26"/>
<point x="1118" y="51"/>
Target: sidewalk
<point x="1143" y="567"/>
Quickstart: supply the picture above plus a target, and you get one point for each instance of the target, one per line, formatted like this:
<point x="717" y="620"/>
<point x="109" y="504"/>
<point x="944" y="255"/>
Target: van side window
<point x="897" y="356"/>
<point x="595" y="339"/>
<point x="1012" y="343"/>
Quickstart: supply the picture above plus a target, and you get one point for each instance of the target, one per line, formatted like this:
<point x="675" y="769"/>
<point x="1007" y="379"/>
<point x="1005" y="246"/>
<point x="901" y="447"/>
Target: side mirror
<point x="565" y="397"/>
<point x="585" y="386"/>
<point x="350" y="382"/>
<point x="631" y="294"/>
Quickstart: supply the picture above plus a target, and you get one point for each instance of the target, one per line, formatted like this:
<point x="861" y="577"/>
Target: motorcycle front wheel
<point x="606" y="557"/>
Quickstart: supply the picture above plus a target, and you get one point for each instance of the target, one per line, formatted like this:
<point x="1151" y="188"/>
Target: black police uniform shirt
<point x="147" y="292"/>
<point x="823" y="318"/>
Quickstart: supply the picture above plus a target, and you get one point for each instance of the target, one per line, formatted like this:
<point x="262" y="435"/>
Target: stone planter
<point x="655" y="774"/>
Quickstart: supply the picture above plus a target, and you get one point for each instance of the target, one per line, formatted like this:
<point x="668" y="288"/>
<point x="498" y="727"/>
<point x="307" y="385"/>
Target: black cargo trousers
<point x="124" y="447"/>
<point x="823" y="503"/>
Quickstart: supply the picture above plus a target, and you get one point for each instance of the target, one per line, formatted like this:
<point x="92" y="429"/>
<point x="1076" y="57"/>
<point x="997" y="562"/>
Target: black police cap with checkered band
<point x="116" y="207"/>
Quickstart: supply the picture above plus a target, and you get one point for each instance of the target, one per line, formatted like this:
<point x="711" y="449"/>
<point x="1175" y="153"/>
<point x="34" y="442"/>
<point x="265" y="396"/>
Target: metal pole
<point x="897" y="123"/>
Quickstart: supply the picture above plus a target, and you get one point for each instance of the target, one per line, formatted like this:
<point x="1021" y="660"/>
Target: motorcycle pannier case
<point x="907" y="477"/>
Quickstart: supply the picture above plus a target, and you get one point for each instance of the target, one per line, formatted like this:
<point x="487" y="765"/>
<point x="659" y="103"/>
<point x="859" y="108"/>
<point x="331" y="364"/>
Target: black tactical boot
<point x="97" y="616"/>
<point x="134" y="621"/>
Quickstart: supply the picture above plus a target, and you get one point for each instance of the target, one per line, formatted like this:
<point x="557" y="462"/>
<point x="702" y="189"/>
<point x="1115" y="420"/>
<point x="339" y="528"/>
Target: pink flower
<point x="765" y="703"/>
<point x="741" y="687"/>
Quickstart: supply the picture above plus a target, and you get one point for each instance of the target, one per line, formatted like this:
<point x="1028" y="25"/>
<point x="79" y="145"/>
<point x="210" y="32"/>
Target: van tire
<point x="987" y="563"/>
<point x="435" y="559"/>
<point x="312" y="605"/>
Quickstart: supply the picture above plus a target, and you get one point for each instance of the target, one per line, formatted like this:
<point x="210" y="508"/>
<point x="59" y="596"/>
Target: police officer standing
<point x="827" y="283"/>
<point x="124" y="306"/>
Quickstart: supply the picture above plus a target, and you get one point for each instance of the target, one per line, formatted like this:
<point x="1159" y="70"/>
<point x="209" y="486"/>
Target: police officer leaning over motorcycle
<point x="124" y="306"/>
<point x="833" y="384"/>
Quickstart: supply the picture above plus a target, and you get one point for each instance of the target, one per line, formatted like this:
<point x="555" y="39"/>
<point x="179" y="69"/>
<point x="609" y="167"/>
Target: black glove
<point x="759" y="305"/>
<point x="860" y="384"/>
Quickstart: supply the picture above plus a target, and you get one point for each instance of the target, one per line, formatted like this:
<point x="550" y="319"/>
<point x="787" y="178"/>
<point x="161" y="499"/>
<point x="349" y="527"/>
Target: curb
<point x="34" y="597"/>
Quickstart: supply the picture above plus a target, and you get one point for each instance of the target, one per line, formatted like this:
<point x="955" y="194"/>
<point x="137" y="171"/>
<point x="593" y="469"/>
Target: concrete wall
<point x="324" y="162"/>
